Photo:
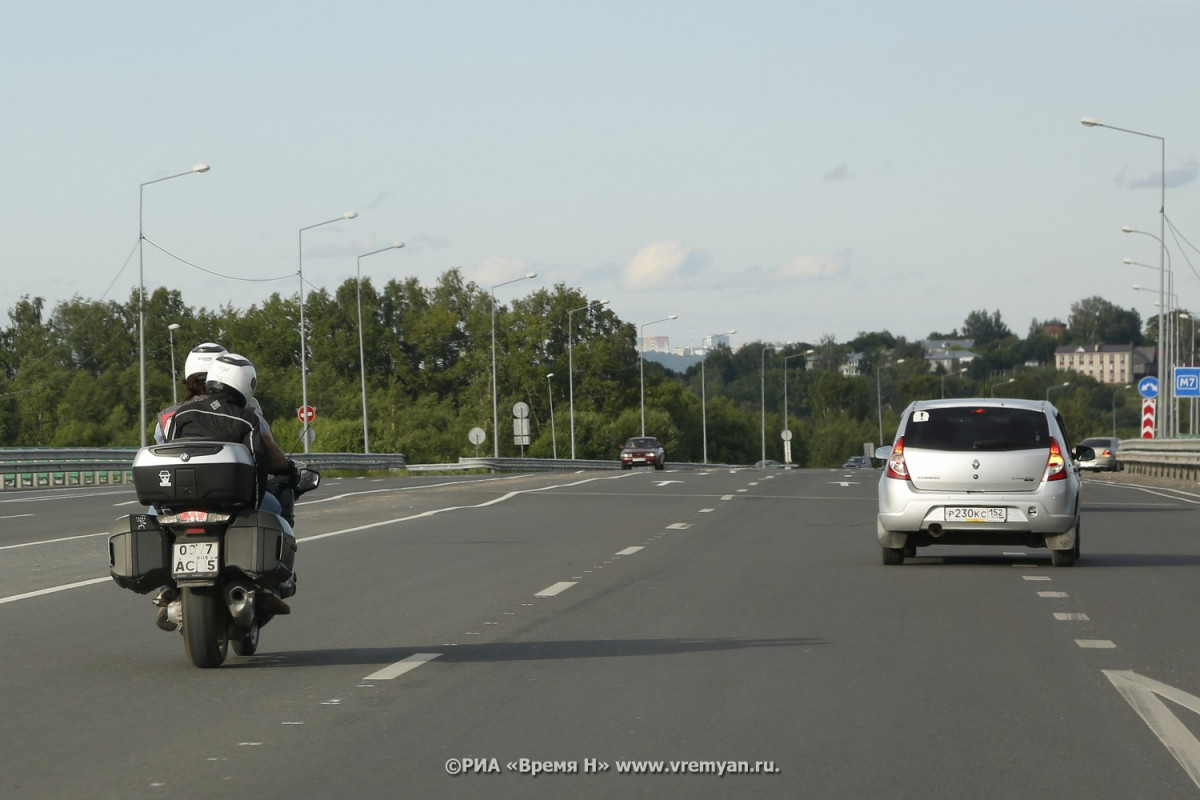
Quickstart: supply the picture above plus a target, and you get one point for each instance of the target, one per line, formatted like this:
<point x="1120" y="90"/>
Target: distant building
<point x="852" y="365"/>
<point x="656" y="344"/>
<point x="949" y="354"/>
<point x="1107" y="363"/>
<point x="1054" y="329"/>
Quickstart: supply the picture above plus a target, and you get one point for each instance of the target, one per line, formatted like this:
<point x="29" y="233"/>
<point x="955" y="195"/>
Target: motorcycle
<point x="221" y="568"/>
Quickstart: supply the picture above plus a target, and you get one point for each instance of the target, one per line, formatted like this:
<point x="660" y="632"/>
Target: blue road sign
<point x="1187" y="381"/>
<point x="1148" y="386"/>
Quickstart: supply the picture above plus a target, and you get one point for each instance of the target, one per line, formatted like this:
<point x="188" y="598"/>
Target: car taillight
<point x="1056" y="465"/>
<point x="896" y="468"/>
<point x="1107" y="452"/>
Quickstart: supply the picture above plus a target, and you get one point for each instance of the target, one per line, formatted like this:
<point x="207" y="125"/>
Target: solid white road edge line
<point x="14" y="598"/>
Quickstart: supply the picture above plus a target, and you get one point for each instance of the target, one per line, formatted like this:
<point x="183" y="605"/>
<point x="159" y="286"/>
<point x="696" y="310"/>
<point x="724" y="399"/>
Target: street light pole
<point x="1000" y="383"/>
<point x="571" y="364"/>
<point x="174" y="326"/>
<point x="1050" y="389"/>
<point x="879" y="396"/>
<point x="142" y="293"/>
<point x="303" y="336"/>
<point x="1164" y="381"/>
<point x="1114" y="406"/>
<point x="495" y="408"/>
<point x="785" y="384"/>
<point x="553" y="432"/>
<point x="362" y="360"/>
<point x="703" y="398"/>
<point x="1165" y="361"/>
<point x="641" y="366"/>
<point x="762" y="377"/>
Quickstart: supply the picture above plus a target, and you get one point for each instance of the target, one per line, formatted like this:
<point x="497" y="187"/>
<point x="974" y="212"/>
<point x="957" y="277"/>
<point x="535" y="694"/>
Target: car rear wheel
<point x="1067" y="558"/>
<point x="893" y="556"/>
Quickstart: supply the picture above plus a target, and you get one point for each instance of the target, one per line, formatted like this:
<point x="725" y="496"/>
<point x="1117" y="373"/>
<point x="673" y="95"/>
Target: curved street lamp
<point x="1050" y="389"/>
<point x="362" y="361"/>
<point x="703" y="398"/>
<point x="641" y="366"/>
<point x="303" y="337"/>
<point x="1114" y="406"/>
<point x="1163" y="377"/>
<point x="879" y="394"/>
<point x="174" y="326"/>
<point x="1001" y="383"/>
<point x="142" y="292"/>
<point x="550" y="396"/>
<point x="495" y="409"/>
<point x="571" y="363"/>
<point x="786" y="359"/>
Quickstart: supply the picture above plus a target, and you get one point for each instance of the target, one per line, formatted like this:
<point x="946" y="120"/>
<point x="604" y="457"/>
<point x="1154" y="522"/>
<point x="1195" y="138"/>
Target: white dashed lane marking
<point x="551" y="591"/>
<point x="401" y="667"/>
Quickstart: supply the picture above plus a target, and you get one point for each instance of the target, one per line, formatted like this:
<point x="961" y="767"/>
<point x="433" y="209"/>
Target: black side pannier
<point x="139" y="557"/>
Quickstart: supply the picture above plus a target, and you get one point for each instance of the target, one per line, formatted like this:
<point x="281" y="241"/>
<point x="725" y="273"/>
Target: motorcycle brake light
<point x="193" y="516"/>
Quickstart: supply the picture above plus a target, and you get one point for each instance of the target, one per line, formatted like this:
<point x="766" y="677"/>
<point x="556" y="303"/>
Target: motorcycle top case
<point x="139" y="557"/>
<point x="196" y="474"/>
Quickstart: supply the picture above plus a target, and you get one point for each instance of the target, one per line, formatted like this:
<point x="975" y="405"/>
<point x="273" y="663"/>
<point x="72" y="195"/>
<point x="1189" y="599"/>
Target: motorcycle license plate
<point x="196" y="559"/>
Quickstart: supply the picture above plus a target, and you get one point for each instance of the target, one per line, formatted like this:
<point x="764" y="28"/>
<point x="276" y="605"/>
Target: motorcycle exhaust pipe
<point x="241" y="605"/>
<point x="935" y="530"/>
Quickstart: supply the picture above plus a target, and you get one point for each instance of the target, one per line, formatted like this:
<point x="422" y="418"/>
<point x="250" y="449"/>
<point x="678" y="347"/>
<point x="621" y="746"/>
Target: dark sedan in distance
<point x="858" y="462"/>
<point x="643" y="451"/>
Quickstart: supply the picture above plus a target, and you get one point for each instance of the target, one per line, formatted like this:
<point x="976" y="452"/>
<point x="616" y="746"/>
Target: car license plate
<point x="196" y="559"/>
<point x="976" y="514"/>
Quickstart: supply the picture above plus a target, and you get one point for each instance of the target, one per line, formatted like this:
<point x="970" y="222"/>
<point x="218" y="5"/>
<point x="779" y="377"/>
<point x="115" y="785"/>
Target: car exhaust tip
<point x="935" y="530"/>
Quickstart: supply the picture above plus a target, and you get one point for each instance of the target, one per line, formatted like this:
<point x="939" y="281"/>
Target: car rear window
<point x="976" y="428"/>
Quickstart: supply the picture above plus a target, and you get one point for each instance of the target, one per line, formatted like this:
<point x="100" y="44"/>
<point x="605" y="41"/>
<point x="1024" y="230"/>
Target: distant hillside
<point x="673" y="362"/>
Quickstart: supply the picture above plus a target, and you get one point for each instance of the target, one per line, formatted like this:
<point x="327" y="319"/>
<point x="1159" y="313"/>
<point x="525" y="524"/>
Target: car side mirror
<point x="1084" y="453"/>
<point x="883" y="453"/>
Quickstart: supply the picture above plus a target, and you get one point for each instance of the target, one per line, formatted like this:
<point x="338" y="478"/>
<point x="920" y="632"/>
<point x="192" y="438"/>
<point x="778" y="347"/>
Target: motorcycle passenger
<point x="195" y="374"/>
<point x="225" y="415"/>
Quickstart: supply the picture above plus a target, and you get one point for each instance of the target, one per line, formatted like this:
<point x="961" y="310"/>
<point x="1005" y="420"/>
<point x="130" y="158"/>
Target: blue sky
<point x="787" y="169"/>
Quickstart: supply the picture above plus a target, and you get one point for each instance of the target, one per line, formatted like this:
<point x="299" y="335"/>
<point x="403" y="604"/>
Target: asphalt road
<point x="568" y="634"/>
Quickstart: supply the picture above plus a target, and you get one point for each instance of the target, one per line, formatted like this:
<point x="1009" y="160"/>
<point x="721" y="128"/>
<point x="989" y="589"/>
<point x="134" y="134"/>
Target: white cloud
<point x="497" y="269"/>
<point x="811" y="268"/>
<point x="838" y="173"/>
<point x="665" y="264"/>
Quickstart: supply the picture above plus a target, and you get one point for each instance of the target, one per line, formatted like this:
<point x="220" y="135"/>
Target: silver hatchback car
<point x="980" y="471"/>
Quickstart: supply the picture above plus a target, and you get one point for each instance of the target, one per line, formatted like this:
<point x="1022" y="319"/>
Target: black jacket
<point x="220" y="418"/>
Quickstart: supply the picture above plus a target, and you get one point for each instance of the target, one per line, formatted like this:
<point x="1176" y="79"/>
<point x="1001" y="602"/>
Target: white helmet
<point x="201" y="357"/>
<point x="233" y="374"/>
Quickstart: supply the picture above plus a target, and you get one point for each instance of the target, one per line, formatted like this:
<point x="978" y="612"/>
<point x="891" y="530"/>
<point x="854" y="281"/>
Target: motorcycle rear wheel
<point x="205" y="639"/>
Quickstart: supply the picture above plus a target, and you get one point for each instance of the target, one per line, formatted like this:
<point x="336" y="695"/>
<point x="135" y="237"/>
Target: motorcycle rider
<point x="225" y="415"/>
<point x="195" y="373"/>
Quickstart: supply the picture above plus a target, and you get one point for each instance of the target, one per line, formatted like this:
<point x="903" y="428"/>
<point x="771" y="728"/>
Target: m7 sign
<point x="1187" y="381"/>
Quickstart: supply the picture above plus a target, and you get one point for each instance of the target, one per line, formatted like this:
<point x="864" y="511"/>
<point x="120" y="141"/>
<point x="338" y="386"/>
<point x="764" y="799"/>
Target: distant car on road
<point x="770" y="463"/>
<point x="1106" y="454"/>
<point x="858" y="462"/>
<point x="643" y="451"/>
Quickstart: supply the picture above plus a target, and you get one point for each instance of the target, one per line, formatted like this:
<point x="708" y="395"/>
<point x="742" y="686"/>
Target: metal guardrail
<point x="1174" y="459"/>
<point x="49" y="468"/>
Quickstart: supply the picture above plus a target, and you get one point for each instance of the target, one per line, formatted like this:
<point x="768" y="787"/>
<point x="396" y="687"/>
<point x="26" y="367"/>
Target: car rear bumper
<point x="1050" y="511"/>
